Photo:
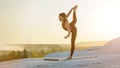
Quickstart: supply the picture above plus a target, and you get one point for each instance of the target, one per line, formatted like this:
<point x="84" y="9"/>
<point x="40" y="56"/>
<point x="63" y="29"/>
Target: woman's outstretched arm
<point x="69" y="13"/>
<point x="68" y="29"/>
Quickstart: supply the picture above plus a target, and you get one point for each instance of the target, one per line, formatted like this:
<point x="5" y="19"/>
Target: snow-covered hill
<point x="107" y="56"/>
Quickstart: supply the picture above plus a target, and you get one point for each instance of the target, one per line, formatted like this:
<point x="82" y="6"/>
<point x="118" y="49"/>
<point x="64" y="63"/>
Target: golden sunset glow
<point x="36" y="21"/>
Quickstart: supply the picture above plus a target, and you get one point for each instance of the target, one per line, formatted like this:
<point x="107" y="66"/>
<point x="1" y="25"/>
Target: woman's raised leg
<point x="74" y="17"/>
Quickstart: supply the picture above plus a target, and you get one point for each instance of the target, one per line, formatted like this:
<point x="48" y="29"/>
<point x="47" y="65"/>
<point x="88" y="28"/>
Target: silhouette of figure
<point x="70" y="27"/>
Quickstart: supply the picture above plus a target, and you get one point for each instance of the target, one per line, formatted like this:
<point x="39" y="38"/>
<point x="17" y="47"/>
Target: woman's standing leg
<point x="73" y="39"/>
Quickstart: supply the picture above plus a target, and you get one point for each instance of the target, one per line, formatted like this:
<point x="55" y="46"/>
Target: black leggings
<point x="74" y="33"/>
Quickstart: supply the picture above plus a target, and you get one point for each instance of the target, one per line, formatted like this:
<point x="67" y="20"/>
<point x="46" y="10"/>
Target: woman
<point x="70" y="27"/>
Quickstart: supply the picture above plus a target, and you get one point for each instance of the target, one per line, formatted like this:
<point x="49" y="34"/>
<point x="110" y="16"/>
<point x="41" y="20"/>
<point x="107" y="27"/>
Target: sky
<point x="36" y="21"/>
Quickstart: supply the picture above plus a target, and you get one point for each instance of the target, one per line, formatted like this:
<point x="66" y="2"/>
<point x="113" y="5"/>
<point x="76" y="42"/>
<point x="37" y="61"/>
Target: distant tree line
<point x="14" y="55"/>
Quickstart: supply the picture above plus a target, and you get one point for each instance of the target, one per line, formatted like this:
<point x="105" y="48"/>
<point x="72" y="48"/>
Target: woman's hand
<point x="74" y="8"/>
<point x="66" y="36"/>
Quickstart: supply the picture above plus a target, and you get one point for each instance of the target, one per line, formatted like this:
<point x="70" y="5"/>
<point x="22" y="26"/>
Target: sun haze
<point x="36" y="21"/>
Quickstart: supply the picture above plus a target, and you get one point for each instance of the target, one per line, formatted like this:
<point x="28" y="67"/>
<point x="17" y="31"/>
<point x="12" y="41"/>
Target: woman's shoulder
<point x="67" y="23"/>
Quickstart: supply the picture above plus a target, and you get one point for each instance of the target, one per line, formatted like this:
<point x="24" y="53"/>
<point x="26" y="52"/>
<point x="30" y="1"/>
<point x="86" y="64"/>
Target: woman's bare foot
<point x="75" y="7"/>
<point x="70" y="57"/>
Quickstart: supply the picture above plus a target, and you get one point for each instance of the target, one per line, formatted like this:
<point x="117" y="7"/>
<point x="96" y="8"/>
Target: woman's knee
<point x="75" y="20"/>
<point x="74" y="17"/>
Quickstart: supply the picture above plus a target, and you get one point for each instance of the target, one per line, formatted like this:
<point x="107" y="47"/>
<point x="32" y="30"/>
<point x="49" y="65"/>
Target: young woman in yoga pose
<point x="70" y="27"/>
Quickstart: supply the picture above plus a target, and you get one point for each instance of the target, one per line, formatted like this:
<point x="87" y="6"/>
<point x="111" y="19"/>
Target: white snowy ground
<point x="89" y="58"/>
